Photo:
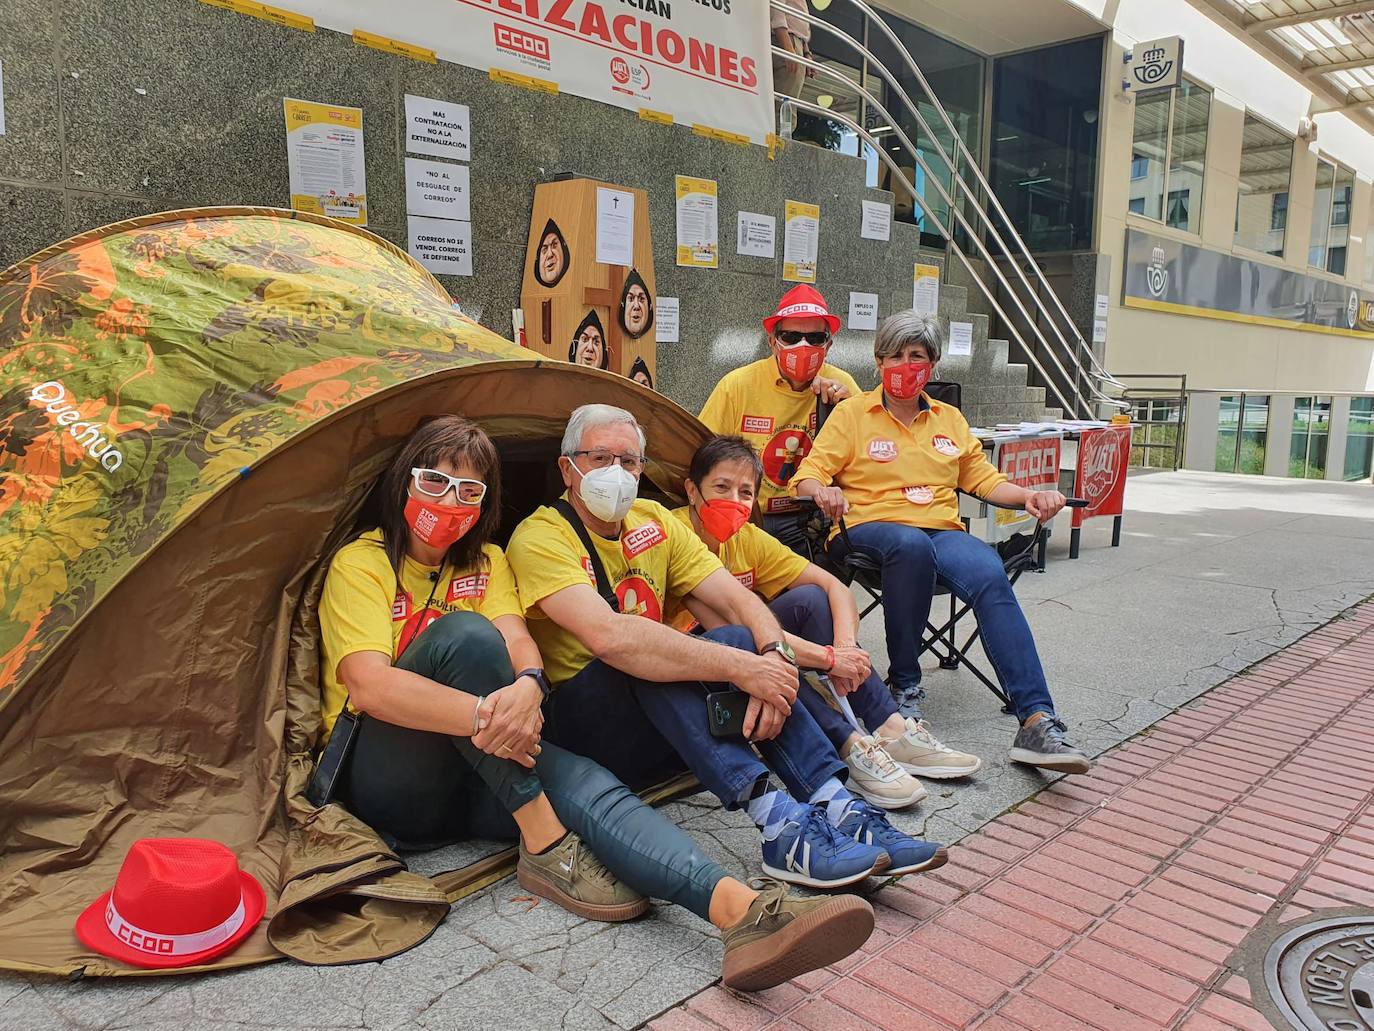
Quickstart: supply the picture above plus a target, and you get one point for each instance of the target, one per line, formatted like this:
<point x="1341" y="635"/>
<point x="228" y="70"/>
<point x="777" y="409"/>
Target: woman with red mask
<point x="891" y="463"/>
<point x="423" y="634"/>
<point x="886" y="751"/>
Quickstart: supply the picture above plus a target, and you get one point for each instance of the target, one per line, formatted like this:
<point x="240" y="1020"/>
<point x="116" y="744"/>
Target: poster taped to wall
<point x="324" y="159"/>
<point x="698" y="225"/>
<point x="801" y="238"/>
<point x="702" y="63"/>
<point x="925" y="291"/>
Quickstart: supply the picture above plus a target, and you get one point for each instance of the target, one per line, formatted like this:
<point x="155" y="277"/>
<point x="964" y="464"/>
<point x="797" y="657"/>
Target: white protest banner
<point x="439" y="128"/>
<point x="704" y="64"/>
<point x="438" y="189"/>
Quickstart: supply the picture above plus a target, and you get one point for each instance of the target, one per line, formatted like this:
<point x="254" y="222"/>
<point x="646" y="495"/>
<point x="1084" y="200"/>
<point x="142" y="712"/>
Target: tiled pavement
<point x="1117" y="900"/>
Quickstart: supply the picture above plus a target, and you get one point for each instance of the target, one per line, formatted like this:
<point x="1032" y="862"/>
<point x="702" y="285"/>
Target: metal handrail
<point x="1095" y="371"/>
<point x="971" y="162"/>
<point x="1081" y="405"/>
<point x="944" y="233"/>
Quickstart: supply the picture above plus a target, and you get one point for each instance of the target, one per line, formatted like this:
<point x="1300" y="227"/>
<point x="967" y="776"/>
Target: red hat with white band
<point x="802" y="302"/>
<point x="177" y="902"/>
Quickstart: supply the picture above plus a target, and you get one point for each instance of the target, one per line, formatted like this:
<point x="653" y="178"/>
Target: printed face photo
<point x="639" y="372"/>
<point x="588" y="345"/>
<point x="551" y="258"/>
<point x="636" y="307"/>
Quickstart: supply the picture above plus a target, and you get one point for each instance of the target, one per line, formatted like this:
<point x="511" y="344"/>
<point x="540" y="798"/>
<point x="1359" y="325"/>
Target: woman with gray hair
<point x="891" y="463"/>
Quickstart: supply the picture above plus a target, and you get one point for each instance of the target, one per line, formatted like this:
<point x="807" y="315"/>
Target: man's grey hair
<point x="906" y="327"/>
<point x="588" y="416"/>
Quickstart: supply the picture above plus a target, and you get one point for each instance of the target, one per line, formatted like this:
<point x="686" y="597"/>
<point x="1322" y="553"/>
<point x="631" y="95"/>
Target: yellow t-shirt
<point x="364" y="608"/>
<point x="896" y="474"/>
<point x="754" y="557"/>
<point x="654" y="558"/>
<point x="756" y="403"/>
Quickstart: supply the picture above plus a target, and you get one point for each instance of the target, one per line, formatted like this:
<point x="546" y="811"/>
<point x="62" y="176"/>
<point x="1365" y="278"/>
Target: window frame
<point x="1168" y="160"/>
<point x="1287" y="194"/>
<point x="1325" y="267"/>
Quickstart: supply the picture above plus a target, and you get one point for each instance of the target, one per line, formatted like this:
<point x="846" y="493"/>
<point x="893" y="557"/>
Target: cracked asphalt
<point x="1214" y="573"/>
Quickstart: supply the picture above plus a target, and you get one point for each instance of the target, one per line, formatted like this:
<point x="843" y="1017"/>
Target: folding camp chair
<point x="1018" y="553"/>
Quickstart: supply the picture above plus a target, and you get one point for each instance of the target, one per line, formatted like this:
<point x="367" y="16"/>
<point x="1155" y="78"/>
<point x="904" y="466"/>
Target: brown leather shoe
<point x="783" y="936"/>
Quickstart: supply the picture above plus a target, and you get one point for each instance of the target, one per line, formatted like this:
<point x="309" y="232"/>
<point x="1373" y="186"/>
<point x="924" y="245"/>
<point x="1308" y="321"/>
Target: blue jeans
<point x="912" y="560"/>
<point x="624" y="723"/>
<point x="431" y="789"/>
<point x="805" y="612"/>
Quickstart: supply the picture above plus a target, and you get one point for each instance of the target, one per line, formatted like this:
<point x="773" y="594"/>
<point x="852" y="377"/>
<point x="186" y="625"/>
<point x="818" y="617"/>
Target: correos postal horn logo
<point x="1156" y="67"/>
<point x="1156" y="275"/>
<point x="52" y="397"/>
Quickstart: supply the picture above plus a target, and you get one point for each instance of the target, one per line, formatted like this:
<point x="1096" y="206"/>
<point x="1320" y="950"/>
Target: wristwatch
<point x="782" y="648"/>
<point x="538" y="676"/>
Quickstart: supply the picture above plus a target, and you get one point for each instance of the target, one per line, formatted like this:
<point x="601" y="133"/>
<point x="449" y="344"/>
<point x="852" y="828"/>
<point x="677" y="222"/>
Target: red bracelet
<point x="830" y="657"/>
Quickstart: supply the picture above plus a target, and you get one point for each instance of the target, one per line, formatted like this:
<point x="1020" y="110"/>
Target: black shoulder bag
<point x="324" y="782"/>
<point x="603" y="582"/>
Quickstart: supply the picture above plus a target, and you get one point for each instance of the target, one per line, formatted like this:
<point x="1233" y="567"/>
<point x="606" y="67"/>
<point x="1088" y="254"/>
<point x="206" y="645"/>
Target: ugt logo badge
<point x="1156" y="66"/>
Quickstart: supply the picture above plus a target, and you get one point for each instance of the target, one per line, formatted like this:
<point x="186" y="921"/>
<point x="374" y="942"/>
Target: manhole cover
<point x="1321" y="975"/>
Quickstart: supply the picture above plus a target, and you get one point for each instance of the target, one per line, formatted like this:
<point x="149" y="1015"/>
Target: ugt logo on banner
<point x="1103" y="456"/>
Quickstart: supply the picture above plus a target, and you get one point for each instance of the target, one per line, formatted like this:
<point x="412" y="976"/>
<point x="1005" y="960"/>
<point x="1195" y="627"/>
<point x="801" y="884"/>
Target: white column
<point x="1335" y="441"/>
<point x="1200" y="449"/>
<point x="1280" y="439"/>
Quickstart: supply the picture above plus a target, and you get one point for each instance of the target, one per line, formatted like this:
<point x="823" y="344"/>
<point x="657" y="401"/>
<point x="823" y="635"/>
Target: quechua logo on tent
<point x="52" y="397"/>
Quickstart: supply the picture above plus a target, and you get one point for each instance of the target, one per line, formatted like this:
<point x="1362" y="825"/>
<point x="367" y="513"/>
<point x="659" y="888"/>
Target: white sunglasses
<point x="436" y="484"/>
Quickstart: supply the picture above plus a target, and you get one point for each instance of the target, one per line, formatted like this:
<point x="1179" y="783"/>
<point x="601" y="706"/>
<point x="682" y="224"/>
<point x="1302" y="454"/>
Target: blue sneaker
<point x="814" y="854"/>
<point x="869" y="826"/>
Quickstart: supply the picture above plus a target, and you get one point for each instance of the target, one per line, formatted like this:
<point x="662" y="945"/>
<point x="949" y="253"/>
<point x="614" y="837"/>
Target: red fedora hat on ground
<point x="802" y="302"/>
<point x="177" y="902"/>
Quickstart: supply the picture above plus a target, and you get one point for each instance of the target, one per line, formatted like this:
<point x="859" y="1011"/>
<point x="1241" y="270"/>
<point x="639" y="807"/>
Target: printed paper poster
<point x="438" y="189"/>
<point x="439" y="128"/>
<point x="698" y="228"/>
<point x="801" y="242"/>
<point x="863" y="311"/>
<point x="960" y="339"/>
<point x="757" y="235"/>
<point x="441" y="245"/>
<point x="877" y="221"/>
<point x="324" y="160"/>
<point x="615" y="227"/>
<point x="925" y="294"/>
<point x="667" y="330"/>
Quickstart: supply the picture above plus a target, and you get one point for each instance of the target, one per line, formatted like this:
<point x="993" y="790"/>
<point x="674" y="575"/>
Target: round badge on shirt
<point x="880" y="449"/>
<point x="919" y="495"/>
<point x="945" y="445"/>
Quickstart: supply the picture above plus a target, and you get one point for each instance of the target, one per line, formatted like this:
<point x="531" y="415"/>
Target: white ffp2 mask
<point x="608" y="492"/>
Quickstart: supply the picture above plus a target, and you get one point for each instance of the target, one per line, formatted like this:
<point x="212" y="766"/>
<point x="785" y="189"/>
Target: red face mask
<point x="722" y="518"/>
<point x="801" y="362"/>
<point x="903" y="382"/>
<point x="439" y="526"/>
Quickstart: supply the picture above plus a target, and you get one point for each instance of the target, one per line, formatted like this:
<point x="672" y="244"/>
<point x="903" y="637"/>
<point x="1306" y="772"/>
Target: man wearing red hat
<point x="772" y="402"/>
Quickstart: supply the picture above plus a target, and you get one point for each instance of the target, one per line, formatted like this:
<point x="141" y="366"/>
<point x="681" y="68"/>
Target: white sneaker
<point x="878" y="779"/>
<point x="917" y="751"/>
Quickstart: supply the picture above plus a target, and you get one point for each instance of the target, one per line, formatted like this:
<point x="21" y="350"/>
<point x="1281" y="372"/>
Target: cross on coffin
<point x="609" y="298"/>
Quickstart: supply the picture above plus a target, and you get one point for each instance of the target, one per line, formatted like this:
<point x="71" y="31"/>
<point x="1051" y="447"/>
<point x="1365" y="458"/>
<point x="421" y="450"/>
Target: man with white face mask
<point x="596" y="572"/>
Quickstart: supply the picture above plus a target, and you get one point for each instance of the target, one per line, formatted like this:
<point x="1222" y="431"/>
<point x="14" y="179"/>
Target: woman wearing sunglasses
<point x="422" y="632"/>
<point x="772" y="402"/>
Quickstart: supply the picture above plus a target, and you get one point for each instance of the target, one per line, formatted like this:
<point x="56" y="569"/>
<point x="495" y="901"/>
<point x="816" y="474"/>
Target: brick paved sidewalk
<point x="1117" y="900"/>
